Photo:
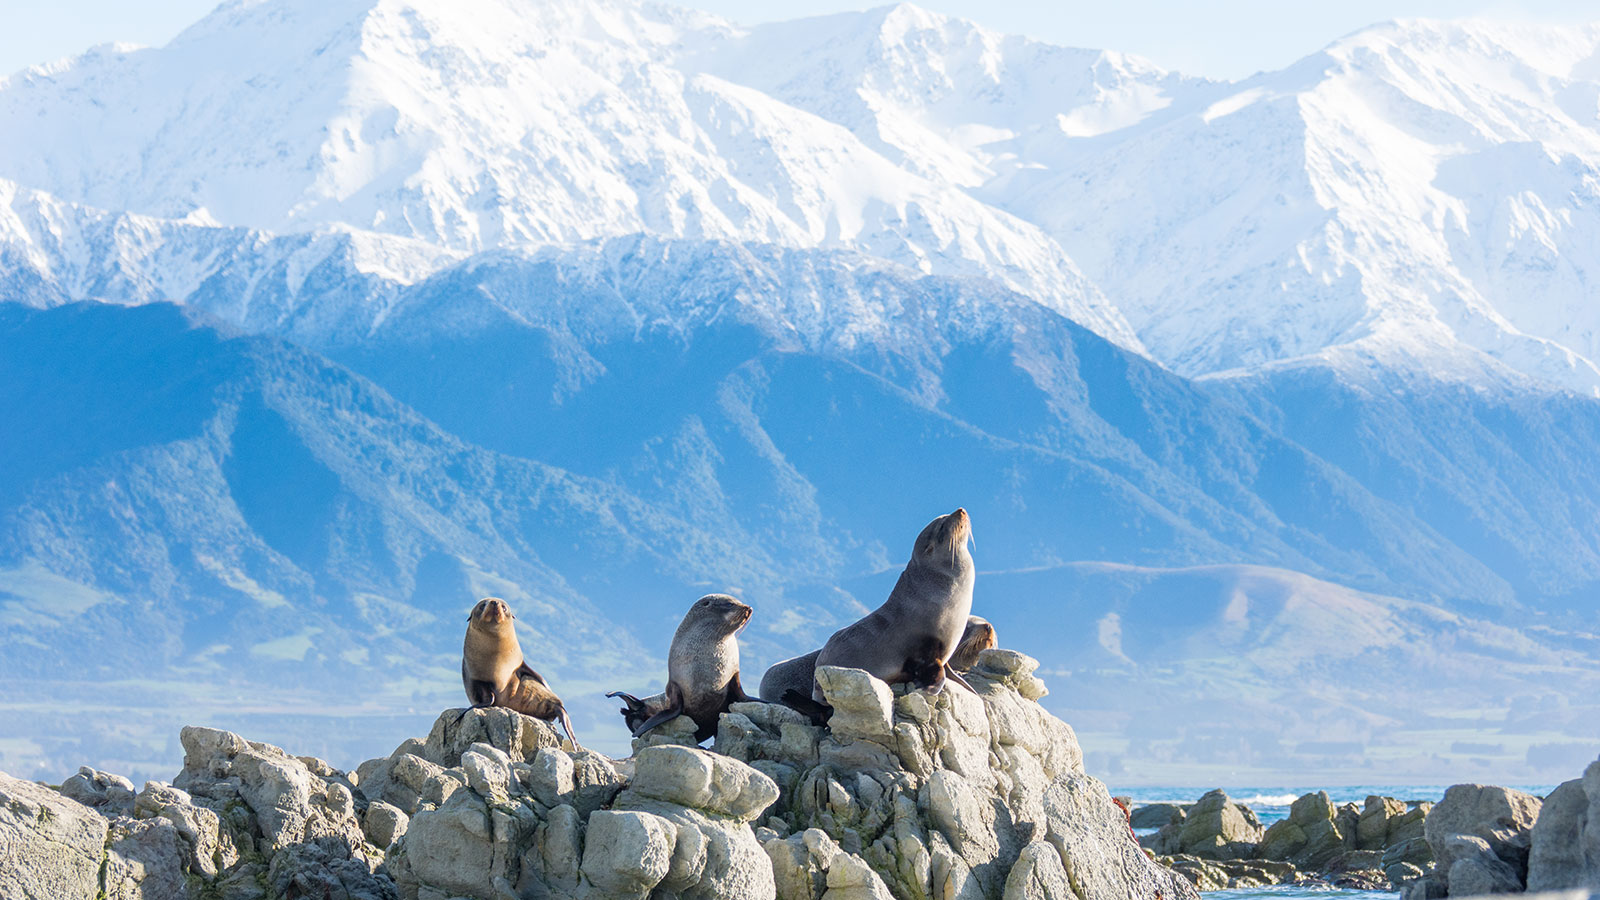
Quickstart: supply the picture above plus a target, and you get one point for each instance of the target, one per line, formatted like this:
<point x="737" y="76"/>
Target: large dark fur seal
<point x="797" y="674"/>
<point x="494" y="672"/>
<point x="702" y="670"/>
<point x="911" y="637"/>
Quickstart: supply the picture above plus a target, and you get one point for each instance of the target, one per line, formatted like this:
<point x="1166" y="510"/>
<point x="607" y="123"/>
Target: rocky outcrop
<point x="903" y="795"/>
<point x="1564" y="845"/>
<point x="1480" y="837"/>
<point x="1213" y="828"/>
<point x="1217" y="843"/>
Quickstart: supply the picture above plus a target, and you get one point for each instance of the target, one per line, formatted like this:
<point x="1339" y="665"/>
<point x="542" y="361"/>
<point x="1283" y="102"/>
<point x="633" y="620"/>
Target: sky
<point x="1226" y="39"/>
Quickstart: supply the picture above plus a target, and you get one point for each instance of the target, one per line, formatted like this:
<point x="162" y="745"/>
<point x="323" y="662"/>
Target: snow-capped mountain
<point x="517" y="125"/>
<point x="1415" y="190"/>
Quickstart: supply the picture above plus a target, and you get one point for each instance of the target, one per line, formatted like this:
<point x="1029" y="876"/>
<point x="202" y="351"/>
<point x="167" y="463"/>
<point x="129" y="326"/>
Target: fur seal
<point x="913" y="634"/>
<point x="494" y="672"/>
<point x="796" y="674"/>
<point x="702" y="670"/>
<point x="978" y="637"/>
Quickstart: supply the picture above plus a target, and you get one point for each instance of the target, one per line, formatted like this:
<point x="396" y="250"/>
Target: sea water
<point x="1298" y="892"/>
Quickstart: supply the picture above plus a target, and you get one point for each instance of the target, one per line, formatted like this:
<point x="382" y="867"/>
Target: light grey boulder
<point x="863" y="706"/>
<point x="692" y="777"/>
<point x="145" y="860"/>
<point x="1564" y="846"/>
<point x="628" y="852"/>
<point x="1157" y="815"/>
<point x="1214" y="828"/>
<point x="51" y="846"/>
<point x="1499" y="819"/>
<point x="103" y="792"/>
<point x="384" y="824"/>
<point x="1475" y="870"/>
<point x="1037" y="875"/>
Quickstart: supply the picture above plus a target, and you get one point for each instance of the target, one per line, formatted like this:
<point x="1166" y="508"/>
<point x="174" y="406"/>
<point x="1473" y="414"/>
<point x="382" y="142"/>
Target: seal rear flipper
<point x="814" y="710"/>
<point x="956" y="677"/>
<point x="673" y="710"/>
<point x="566" y="723"/>
<point x="635" y="712"/>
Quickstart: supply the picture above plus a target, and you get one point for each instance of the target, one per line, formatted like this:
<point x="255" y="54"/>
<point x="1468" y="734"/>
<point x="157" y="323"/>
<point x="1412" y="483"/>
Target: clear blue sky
<point x="1221" y="39"/>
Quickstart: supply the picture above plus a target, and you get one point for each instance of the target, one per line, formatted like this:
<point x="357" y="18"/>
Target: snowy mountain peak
<point x="517" y="126"/>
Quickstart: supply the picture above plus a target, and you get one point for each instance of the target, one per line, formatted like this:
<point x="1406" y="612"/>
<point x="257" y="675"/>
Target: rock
<point x="1216" y="875"/>
<point x="1564" y="845"/>
<point x="1475" y="870"/>
<point x="696" y="778"/>
<point x="1215" y="829"/>
<point x="1037" y="875"/>
<point x="1372" y="829"/>
<point x="1473" y="820"/>
<point x="627" y="852"/>
<point x="384" y="824"/>
<point x="1310" y="837"/>
<point x="107" y="794"/>
<point x="863" y="706"/>
<point x="51" y="845"/>
<point x="1156" y="815"/>
<point x="964" y="795"/>
<point x="145" y="860"/>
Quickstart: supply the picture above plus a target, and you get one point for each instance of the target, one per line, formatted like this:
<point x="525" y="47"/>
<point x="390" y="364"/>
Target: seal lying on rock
<point x="494" y="672"/>
<point x="798" y="673"/>
<point x="702" y="670"/>
<point x="911" y="637"/>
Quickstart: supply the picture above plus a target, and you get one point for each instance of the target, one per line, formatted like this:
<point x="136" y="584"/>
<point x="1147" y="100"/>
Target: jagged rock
<point x="1310" y="837"/>
<point x="1215" y="829"/>
<point x="1157" y="815"/>
<point x="1216" y="875"/>
<point x="145" y="860"/>
<point x="1479" y="825"/>
<point x="384" y="824"/>
<point x="52" y="846"/>
<point x="696" y="778"/>
<point x="939" y="795"/>
<point x="628" y="852"/>
<point x="107" y="794"/>
<point x="1564" y="846"/>
<point x="1372" y="829"/>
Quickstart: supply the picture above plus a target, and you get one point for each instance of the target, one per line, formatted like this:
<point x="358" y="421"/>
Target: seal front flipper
<point x="526" y="671"/>
<point x="673" y="710"/>
<point x="736" y="694"/>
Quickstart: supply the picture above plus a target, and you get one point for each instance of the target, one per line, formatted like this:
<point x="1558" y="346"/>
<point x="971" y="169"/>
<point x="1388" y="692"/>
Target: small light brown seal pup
<point x="978" y="637"/>
<point x="913" y="634"/>
<point x="796" y="674"/>
<point x="702" y="670"/>
<point x="494" y="672"/>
